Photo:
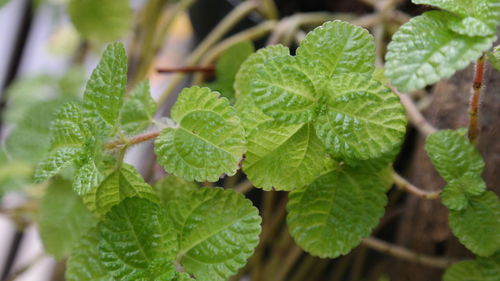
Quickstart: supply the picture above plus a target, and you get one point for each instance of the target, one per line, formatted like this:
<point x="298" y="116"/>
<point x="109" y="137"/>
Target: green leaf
<point x="218" y="231"/>
<point x="171" y="187"/>
<point x="160" y="269"/>
<point x="138" y="109"/>
<point x="3" y="2"/>
<point x="425" y="50"/>
<point x="55" y="162"/>
<point x="471" y="26"/>
<point x="106" y="87"/>
<point x="330" y="216"/>
<point x="182" y="276"/>
<point x="480" y="269"/>
<point x="87" y="178"/>
<point x="101" y="20"/>
<point x="63" y="215"/>
<point x="455" y="195"/>
<point x="248" y="68"/>
<point x="283" y="156"/>
<point x="228" y="65"/>
<point x="340" y="48"/>
<point x="478" y="225"/>
<point x="84" y="264"/>
<point x="14" y="175"/>
<point x="134" y="234"/>
<point x="251" y="116"/>
<point x="363" y="119"/>
<point x="453" y="155"/>
<point x="69" y="128"/>
<point x="494" y="57"/>
<point x="120" y="184"/>
<point x="209" y="141"/>
<point x="286" y="89"/>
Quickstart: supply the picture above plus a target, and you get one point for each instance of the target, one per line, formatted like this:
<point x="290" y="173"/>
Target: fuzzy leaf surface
<point x="330" y="216"/>
<point x="218" y="231"/>
<point x="55" y="162"/>
<point x="425" y="50"/>
<point x="250" y="115"/>
<point x="209" y="141"/>
<point x="138" y="109"/>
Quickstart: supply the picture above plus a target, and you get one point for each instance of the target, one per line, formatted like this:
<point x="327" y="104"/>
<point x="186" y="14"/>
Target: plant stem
<point x="406" y="254"/>
<point x="133" y="140"/>
<point x="403" y="184"/>
<point x="238" y="13"/>
<point x="188" y="69"/>
<point x="243" y="187"/>
<point x="475" y="99"/>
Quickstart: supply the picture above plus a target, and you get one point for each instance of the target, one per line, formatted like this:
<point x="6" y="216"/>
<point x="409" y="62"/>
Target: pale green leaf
<point x="494" y="57"/>
<point x="453" y="155"/>
<point x="171" y="187"/>
<point x="14" y="175"/>
<point x="87" y="178"/>
<point x="138" y="109"/>
<point x="63" y="219"/>
<point x="209" y="141"/>
<point x="425" y="50"/>
<point x="478" y="225"/>
<point x="363" y="119"/>
<point x="330" y="216"/>
<point x="455" y="195"/>
<point x="3" y="2"/>
<point x="340" y="48"/>
<point x="287" y="88"/>
<point x="480" y="269"/>
<point x="248" y="68"/>
<point x="283" y="156"/>
<point x="106" y="86"/>
<point x="56" y="161"/>
<point x="101" y="20"/>
<point x="250" y="115"/>
<point x="218" y="231"/>
<point x="135" y="233"/>
<point x="471" y="26"/>
<point x="69" y="128"/>
<point x="84" y="264"/>
<point x="120" y="184"/>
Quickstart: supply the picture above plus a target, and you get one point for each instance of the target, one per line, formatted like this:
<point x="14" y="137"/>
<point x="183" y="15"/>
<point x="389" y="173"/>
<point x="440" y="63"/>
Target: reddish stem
<point x="134" y="140"/>
<point x="187" y="69"/>
<point x="474" y="102"/>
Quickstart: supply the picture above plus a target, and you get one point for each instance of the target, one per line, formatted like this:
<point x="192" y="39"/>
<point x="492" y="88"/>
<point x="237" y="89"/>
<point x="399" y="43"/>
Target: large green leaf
<point x="363" y="119"/>
<point x="84" y="264"/>
<point x="133" y="234"/>
<point x="106" y="87"/>
<point x="56" y="161"/>
<point x="248" y="68"/>
<point x="209" y="141"/>
<point x="330" y="216"/>
<point x="138" y="109"/>
<point x="101" y="20"/>
<point x="218" y="231"/>
<point x="283" y="156"/>
<point x="478" y="225"/>
<point x="340" y="47"/>
<point x="171" y="187"/>
<point x="287" y="88"/>
<point x="63" y="219"/>
<point x="251" y="116"/>
<point x="453" y="155"/>
<point x="120" y="184"/>
<point x="69" y="128"/>
<point x="425" y="51"/>
<point x="481" y="269"/>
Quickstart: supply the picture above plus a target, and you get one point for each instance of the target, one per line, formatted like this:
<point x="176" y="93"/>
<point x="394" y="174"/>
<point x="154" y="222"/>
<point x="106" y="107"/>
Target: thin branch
<point x="406" y="254"/>
<point x="187" y="69"/>
<point x="243" y="187"/>
<point x="475" y="99"/>
<point x="403" y="184"/>
<point x="133" y="140"/>
<point x="414" y="114"/>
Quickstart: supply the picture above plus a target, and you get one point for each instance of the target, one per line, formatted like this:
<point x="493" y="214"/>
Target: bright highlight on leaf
<point x="218" y="231"/>
<point x="330" y="216"/>
<point x="209" y="141"/>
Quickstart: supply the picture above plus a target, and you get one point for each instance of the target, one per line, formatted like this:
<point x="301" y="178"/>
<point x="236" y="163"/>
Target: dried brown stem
<point x="475" y="98"/>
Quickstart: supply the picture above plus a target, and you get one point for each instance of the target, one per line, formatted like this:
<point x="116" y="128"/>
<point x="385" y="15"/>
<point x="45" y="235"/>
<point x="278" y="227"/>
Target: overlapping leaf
<point x="455" y="195"/>
<point x="330" y="216"/>
<point x="209" y="140"/>
<point x="425" y="51"/>
<point x="55" y="162"/>
<point x="171" y="187"/>
<point x="363" y="119"/>
<point x="283" y="156"/>
<point x="480" y="269"/>
<point x="138" y="109"/>
<point x="218" y="231"/>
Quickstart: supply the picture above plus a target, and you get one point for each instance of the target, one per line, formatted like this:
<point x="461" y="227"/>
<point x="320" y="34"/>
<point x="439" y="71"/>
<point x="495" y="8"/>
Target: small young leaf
<point x="494" y="57"/>
<point x="455" y="195"/>
<point x="171" y="187"/>
<point x="87" y="178"/>
<point x="251" y="116"/>
<point x="425" y="51"/>
<point x="453" y="155"/>
<point x="138" y="109"/>
<point x="209" y="142"/>
<point x="63" y="215"/>
<point x="285" y="88"/>
<point x="330" y="216"/>
<point x="478" y="225"/>
<point x="363" y="118"/>
<point x="283" y="156"/>
<point x="106" y="87"/>
<point x="480" y="269"/>
<point x="134" y="234"/>
<point x="340" y="47"/>
<point x="84" y="264"/>
<point x="101" y="20"/>
<point x="55" y="162"/>
<point x="249" y="67"/>
<point x="120" y="184"/>
<point x="218" y="231"/>
<point x="69" y="129"/>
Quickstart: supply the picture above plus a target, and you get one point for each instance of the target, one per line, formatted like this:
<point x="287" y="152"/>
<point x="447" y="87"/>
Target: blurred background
<point x="49" y="47"/>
